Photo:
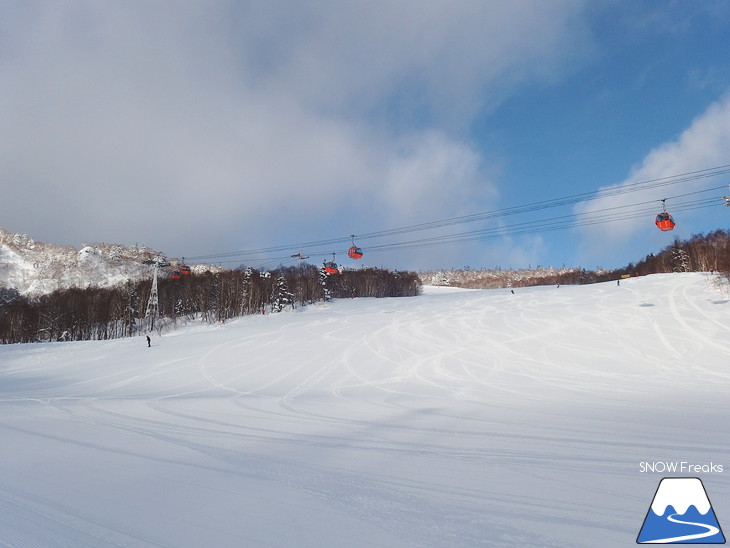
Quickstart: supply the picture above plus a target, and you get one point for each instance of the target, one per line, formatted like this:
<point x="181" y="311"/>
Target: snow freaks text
<point x="679" y="467"/>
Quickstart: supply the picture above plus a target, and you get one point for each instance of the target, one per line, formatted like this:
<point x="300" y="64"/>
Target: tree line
<point x="107" y="313"/>
<point x="700" y="253"/>
<point x="114" y="312"/>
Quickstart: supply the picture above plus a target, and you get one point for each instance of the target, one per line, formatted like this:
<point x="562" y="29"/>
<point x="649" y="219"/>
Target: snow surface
<point x="457" y="418"/>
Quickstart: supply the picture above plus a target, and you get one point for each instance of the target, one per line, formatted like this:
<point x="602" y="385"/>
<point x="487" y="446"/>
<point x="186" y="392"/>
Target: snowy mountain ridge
<point x="35" y="268"/>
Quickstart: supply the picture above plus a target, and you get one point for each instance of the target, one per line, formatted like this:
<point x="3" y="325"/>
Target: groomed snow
<point x="457" y="418"/>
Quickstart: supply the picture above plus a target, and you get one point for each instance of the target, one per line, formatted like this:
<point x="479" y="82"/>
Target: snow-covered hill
<point x="35" y="268"/>
<point x="456" y="418"/>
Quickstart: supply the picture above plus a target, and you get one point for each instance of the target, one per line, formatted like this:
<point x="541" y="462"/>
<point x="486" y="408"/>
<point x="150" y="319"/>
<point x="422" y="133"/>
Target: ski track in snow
<point x="459" y="418"/>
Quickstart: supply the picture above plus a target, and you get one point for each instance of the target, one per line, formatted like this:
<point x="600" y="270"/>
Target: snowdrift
<point x="456" y="418"/>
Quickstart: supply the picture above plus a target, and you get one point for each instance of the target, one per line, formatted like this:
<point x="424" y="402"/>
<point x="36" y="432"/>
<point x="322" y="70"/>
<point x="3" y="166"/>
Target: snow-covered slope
<point x="456" y="418"/>
<point x="35" y="268"/>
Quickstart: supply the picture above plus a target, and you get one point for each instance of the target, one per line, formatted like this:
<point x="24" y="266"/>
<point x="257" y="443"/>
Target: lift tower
<point x="152" y="311"/>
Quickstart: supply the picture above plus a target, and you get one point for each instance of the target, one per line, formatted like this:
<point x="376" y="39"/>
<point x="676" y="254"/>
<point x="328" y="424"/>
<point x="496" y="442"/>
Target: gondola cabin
<point x="354" y="252"/>
<point x="330" y="267"/>
<point x="664" y="221"/>
<point x="184" y="270"/>
<point x="176" y="275"/>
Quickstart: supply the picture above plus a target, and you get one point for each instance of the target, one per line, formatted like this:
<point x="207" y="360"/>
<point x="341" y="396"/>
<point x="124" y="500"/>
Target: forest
<point x="700" y="253"/>
<point x="95" y="313"/>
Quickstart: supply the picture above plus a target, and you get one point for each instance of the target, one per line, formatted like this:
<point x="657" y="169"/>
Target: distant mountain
<point x="34" y="268"/>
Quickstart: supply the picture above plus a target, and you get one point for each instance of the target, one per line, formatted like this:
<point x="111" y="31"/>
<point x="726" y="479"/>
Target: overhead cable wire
<point x="557" y="202"/>
<point x="651" y="184"/>
<point x="529" y="227"/>
<point x="537" y="226"/>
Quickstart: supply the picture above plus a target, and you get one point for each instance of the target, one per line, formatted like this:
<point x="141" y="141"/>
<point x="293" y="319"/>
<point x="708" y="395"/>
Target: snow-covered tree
<point x="323" y="278"/>
<point x="680" y="258"/>
<point x="282" y="296"/>
<point x="9" y="296"/>
<point x="247" y="293"/>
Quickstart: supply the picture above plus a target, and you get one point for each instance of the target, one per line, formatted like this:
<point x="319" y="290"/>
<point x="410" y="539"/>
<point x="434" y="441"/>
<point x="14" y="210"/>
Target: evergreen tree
<point x="282" y="296"/>
<point x="680" y="259"/>
<point x="323" y="278"/>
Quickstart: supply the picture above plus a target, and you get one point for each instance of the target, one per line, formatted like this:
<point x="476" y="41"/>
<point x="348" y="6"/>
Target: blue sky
<point x="210" y="129"/>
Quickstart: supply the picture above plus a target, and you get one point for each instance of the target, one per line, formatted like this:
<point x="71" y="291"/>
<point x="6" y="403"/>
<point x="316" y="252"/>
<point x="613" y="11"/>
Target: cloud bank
<point x="199" y="127"/>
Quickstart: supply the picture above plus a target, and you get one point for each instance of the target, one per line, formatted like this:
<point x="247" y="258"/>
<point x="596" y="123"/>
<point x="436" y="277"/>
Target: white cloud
<point x="429" y="170"/>
<point x="446" y="58"/>
<point x="188" y="126"/>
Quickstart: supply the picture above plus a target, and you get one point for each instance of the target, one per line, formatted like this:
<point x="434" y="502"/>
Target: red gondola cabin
<point x="664" y="221"/>
<point x="354" y="252"/>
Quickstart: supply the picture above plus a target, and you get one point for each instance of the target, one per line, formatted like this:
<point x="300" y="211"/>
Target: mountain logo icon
<point x="680" y="513"/>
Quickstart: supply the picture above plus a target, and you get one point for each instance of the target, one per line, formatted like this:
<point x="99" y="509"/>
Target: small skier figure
<point x="149" y="341"/>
